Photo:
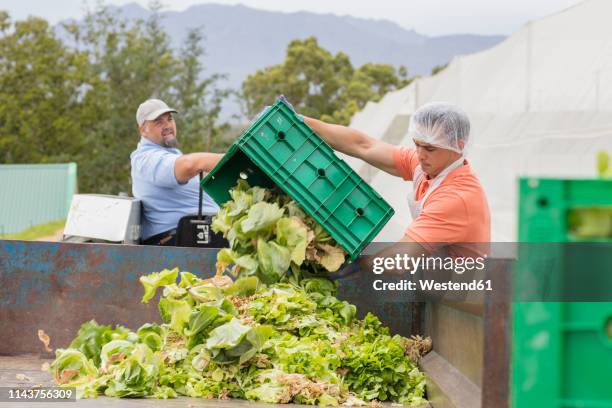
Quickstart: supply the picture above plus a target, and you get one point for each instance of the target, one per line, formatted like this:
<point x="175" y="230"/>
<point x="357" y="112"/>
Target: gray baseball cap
<point x="151" y="109"/>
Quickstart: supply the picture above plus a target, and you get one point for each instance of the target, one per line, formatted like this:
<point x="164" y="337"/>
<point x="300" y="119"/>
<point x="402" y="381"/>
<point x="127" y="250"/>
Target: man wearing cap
<point x="162" y="177"/>
<point x="447" y="201"/>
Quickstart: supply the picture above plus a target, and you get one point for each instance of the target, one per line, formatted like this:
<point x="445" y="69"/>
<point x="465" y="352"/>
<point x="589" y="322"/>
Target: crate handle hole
<point x="321" y="172"/>
<point x="359" y="211"/>
<point x="243" y="175"/>
<point x="543" y="202"/>
<point x="609" y="328"/>
<point x="281" y="135"/>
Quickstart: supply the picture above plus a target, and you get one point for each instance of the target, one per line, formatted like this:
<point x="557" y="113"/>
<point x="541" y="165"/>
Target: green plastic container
<point x="561" y="352"/>
<point x="280" y="150"/>
<point x="545" y="206"/>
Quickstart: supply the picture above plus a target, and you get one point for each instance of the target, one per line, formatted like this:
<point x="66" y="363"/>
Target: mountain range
<point x="240" y="40"/>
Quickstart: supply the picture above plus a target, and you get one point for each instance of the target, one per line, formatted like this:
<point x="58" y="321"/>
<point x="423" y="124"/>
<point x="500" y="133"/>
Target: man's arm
<point x="357" y="144"/>
<point x="189" y="165"/>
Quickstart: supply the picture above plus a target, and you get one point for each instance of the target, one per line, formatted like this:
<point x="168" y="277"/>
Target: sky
<point x="430" y="17"/>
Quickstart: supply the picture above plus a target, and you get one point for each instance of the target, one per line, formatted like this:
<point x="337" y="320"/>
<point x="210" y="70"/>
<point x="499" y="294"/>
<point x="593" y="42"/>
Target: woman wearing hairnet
<point x="447" y="202"/>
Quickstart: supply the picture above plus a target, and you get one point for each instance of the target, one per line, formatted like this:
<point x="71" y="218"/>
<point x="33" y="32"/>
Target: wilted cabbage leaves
<point x="277" y="343"/>
<point x="276" y="334"/>
<point x="269" y="234"/>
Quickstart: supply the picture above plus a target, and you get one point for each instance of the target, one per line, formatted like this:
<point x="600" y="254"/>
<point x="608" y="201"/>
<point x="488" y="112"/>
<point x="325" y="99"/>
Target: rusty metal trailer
<point x="56" y="287"/>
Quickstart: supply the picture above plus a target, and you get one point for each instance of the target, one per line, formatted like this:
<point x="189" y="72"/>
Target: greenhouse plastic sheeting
<point x="540" y="104"/>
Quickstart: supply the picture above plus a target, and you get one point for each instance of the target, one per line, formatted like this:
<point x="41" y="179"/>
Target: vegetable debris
<point x="272" y="332"/>
<point x="269" y="235"/>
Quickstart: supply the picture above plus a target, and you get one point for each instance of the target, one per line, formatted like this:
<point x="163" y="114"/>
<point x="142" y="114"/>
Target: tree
<point x="320" y="84"/>
<point x="129" y="62"/>
<point x="198" y="100"/>
<point x="75" y="100"/>
<point x="438" y="68"/>
<point x="39" y="82"/>
<point x="133" y="62"/>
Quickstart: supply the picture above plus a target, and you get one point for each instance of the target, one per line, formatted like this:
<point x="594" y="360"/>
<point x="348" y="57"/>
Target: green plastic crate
<point x="280" y="150"/>
<point x="545" y="204"/>
<point x="561" y="351"/>
<point x="562" y="354"/>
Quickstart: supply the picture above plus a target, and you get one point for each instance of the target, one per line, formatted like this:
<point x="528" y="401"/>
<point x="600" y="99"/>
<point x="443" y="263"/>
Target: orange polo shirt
<point x="455" y="212"/>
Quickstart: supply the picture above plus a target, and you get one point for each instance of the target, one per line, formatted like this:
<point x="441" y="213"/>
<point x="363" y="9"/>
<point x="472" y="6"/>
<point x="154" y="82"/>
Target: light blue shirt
<point x="164" y="199"/>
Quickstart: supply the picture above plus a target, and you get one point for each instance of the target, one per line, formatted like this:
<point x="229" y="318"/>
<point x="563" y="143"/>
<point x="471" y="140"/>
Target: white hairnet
<point x="440" y="124"/>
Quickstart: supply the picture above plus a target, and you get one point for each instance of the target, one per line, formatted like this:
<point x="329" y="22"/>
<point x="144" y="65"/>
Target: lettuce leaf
<point x="227" y="335"/>
<point x="151" y="335"/>
<point x="175" y="313"/>
<point x="92" y="337"/>
<point x="156" y="279"/>
<point x="261" y="216"/>
<point x="114" y="352"/>
<point x="273" y="259"/>
<point x="71" y="368"/>
<point x="293" y="234"/>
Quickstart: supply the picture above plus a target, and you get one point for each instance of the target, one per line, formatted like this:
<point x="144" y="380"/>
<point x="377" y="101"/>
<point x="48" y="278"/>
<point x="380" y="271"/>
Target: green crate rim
<point x="239" y="144"/>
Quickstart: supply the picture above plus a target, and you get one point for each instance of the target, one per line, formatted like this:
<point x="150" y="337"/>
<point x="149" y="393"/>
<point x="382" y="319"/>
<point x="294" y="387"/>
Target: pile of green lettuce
<point x="274" y="333"/>
<point x="221" y="338"/>
<point x="269" y="234"/>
